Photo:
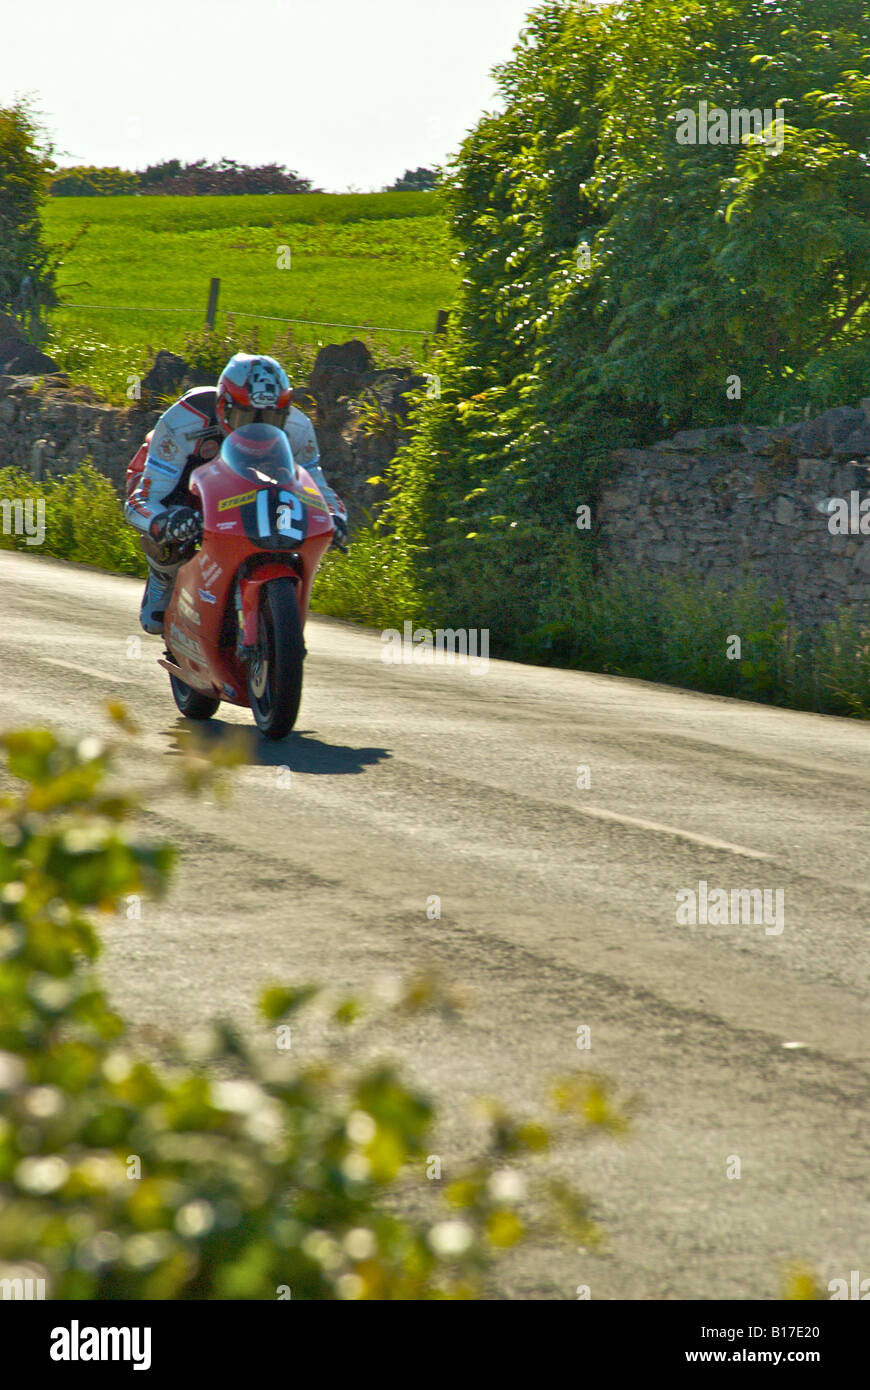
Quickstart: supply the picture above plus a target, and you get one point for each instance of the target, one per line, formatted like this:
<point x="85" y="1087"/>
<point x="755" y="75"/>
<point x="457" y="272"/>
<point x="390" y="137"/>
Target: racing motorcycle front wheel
<point x="275" y="667"/>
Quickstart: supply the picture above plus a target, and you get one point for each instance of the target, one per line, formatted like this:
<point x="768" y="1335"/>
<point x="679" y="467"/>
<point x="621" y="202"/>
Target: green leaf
<point x="279" y="1002"/>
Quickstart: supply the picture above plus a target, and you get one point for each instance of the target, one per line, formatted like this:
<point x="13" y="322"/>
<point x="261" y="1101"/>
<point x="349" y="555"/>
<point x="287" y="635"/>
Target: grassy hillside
<point x="381" y="260"/>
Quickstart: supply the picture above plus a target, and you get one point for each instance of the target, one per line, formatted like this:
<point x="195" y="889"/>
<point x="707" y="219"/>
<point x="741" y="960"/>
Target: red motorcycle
<point x="233" y="627"/>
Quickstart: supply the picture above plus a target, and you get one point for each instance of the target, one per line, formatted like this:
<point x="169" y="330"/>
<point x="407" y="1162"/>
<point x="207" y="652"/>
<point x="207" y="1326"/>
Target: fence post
<point x="441" y="321"/>
<point x="37" y="455"/>
<point x="211" y="311"/>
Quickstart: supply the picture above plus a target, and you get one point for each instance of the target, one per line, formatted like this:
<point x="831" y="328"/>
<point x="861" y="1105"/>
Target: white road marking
<point x="706" y="840"/>
<point x="88" y="670"/>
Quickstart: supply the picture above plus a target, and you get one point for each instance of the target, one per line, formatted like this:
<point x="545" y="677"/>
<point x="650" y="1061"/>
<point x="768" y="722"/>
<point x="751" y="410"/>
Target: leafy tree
<point x="26" y="265"/>
<point x="88" y="181"/>
<point x="161" y="173"/>
<point x="415" y="181"/>
<point x="172" y="177"/>
<point x="616" y="279"/>
<point x="225" y="176"/>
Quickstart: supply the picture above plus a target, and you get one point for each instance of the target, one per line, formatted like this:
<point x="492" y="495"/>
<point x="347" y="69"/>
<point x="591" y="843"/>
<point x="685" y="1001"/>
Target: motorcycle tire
<point x="275" y="670"/>
<point x="192" y="703"/>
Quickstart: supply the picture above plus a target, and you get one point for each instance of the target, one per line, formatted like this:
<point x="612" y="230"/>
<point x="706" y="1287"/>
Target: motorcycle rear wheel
<point x="192" y="703"/>
<point x="275" y="670"/>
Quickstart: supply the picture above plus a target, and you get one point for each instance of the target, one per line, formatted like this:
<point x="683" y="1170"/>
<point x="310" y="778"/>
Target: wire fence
<point x="244" y="314"/>
<point x="130" y="308"/>
<point x="320" y="323"/>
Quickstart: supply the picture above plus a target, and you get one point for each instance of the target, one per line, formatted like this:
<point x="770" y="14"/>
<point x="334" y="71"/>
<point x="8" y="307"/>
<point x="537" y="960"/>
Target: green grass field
<point x="379" y="260"/>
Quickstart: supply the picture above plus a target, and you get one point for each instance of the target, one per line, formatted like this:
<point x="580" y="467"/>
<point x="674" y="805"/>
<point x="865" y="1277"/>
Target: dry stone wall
<point x="48" y="426"/>
<point x="743" y="500"/>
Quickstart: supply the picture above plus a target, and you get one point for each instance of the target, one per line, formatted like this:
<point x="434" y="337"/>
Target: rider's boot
<point x="155" y="600"/>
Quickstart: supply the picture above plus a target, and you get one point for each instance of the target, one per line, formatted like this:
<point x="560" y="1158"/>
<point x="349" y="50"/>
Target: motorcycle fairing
<point x="253" y="530"/>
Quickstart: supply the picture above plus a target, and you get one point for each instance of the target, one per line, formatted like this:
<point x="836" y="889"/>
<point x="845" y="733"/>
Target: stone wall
<point x="744" y="500"/>
<point x="48" y="426"/>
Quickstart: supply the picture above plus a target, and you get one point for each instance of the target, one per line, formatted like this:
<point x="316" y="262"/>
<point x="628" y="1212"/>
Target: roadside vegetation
<point x="83" y="520"/>
<point x="27" y="264"/>
<point x="613" y="282"/>
<point x="243" y="1170"/>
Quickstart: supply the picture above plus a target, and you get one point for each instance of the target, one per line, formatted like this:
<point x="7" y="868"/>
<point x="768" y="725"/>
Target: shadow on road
<point x="300" y="751"/>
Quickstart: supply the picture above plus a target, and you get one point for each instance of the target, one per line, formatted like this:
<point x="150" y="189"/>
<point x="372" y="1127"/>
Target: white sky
<point x="349" y="93"/>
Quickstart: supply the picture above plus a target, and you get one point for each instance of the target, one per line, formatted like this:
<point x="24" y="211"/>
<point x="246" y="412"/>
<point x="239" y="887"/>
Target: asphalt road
<point x="559" y="909"/>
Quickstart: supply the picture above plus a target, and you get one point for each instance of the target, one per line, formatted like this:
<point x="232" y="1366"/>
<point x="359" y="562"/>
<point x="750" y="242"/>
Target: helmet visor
<point x="239" y="415"/>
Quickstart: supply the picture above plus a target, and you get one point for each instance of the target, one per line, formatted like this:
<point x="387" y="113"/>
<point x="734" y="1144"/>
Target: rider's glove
<point x="176" y="525"/>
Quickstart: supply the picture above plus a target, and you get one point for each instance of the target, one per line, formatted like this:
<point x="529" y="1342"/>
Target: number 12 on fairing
<point x="290" y="515"/>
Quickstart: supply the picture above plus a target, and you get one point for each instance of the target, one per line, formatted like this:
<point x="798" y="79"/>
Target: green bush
<point x="25" y="165"/>
<point x="374" y="583"/>
<point x="84" y="520"/>
<point x="224" y="1177"/>
<point x="679" y="631"/>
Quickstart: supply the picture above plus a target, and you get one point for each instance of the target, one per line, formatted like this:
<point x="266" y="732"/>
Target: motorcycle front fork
<point x="244" y="653"/>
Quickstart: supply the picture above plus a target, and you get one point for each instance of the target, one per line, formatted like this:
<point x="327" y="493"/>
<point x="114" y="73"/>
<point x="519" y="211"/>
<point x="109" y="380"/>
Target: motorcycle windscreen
<point x="260" y="454"/>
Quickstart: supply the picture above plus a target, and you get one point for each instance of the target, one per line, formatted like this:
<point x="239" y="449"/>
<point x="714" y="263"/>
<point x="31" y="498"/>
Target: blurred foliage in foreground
<point x="121" y="1180"/>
